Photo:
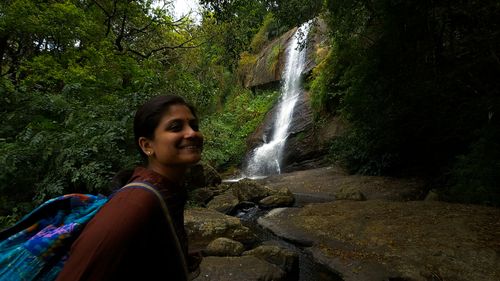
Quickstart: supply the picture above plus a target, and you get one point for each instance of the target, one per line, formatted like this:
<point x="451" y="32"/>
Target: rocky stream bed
<point x="323" y="224"/>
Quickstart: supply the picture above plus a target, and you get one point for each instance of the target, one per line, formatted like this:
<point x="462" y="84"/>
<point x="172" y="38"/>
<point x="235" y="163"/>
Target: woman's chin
<point x="193" y="159"/>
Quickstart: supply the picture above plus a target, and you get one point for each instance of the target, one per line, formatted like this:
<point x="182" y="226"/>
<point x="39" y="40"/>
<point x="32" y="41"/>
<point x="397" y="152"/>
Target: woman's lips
<point x="191" y="147"/>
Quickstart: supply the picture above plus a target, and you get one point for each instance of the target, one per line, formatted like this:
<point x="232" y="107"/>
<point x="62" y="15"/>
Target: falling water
<point x="266" y="159"/>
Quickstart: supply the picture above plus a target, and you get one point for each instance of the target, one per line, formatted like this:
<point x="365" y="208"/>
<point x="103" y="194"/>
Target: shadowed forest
<point x="417" y="82"/>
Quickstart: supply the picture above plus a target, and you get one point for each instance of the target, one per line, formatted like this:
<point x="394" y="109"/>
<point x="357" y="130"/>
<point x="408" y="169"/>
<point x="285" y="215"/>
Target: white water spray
<point x="266" y="159"/>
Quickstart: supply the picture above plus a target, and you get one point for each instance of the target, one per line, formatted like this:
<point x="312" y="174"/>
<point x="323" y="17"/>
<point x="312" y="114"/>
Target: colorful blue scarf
<point x="37" y="246"/>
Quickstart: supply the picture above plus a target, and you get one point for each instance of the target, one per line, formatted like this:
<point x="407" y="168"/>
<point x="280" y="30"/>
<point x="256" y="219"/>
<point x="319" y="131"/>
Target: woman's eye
<point x="195" y="126"/>
<point x="175" y="127"/>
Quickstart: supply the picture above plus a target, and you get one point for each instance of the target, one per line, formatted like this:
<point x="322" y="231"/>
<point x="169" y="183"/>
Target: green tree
<point x="72" y="74"/>
<point x="292" y="13"/>
<point x="231" y="25"/>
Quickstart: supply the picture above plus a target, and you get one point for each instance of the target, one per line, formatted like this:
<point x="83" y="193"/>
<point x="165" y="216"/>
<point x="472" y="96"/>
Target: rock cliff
<point x="308" y="141"/>
<point x="261" y="75"/>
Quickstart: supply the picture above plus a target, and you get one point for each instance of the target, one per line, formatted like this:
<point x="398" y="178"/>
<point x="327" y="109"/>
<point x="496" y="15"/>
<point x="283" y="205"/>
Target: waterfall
<point x="266" y="159"/>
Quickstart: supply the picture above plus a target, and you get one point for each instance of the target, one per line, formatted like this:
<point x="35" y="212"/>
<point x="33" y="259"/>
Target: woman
<point x="129" y="238"/>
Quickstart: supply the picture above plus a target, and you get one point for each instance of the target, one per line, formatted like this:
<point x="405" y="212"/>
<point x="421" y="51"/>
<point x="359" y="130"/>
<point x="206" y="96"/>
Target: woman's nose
<point x="190" y="132"/>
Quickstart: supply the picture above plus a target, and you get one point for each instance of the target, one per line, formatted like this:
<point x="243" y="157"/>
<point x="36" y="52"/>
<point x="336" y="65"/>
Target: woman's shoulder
<point x="133" y="203"/>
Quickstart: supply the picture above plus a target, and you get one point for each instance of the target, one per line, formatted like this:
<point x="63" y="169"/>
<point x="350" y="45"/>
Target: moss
<point x="274" y="57"/>
<point x="245" y="64"/>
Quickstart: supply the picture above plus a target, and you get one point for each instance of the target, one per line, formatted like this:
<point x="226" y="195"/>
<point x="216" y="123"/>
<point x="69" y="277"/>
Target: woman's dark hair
<point x="146" y="119"/>
<point x="148" y="116"/>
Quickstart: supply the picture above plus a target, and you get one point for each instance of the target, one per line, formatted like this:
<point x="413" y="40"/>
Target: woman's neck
<point x="173" y="174"/>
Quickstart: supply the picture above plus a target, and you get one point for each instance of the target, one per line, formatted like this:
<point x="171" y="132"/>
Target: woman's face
<point x="177" y="140"/>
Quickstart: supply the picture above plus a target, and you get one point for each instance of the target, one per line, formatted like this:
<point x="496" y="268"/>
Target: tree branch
<point x="121" y="34"/>
<point x="180" y="46"/>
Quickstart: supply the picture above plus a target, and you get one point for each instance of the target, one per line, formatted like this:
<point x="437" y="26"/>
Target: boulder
<point x="274" y="201"/>
<point x="224" y="203"/>
<point x="282" y="197"/>
<point x="247" y="268"/>
<point x="200" y="196"/>
<point x="350" y="193"/>
<point x="286" y="259"/>
<point x="205" y="225"/>
<point x="224" y="247"/>
<point x="250" y="190"/>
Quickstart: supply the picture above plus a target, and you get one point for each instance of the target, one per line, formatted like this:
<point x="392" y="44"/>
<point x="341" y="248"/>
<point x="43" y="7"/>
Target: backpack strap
<point x="164" y="208"/>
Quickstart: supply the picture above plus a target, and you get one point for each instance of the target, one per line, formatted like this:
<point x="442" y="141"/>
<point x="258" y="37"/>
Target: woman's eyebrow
<point x="168" y="121"/>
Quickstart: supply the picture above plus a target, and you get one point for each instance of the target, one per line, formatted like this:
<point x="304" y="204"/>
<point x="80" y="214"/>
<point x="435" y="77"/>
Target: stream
<point x="308" y="270"/>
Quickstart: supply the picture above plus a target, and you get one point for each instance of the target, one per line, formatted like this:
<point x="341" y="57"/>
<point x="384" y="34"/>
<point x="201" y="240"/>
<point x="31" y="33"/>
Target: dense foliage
<point x="418" y="81"/>
<point x="227" y="130"/>
<point x="233" y="24"/>
<point x="73" y="73"/>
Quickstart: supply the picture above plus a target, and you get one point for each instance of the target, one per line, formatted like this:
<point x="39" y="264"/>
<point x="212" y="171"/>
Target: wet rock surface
<point x="393" y="234"/>
<point x="327" y="183"/>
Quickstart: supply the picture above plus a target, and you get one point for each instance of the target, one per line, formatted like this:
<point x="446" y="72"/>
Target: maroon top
<point x="129" y="239"/>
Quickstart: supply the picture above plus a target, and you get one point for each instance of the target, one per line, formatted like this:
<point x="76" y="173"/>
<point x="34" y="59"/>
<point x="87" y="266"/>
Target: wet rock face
<point x="261" y="76"/>
<point x="308" y="142"/>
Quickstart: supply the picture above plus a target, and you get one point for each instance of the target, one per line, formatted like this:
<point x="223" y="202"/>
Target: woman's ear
<point x="145" y="145"/>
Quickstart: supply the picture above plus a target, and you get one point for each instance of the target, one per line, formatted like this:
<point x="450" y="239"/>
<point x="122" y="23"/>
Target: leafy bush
<point x="360" y="153"/>
<point x="475" y="177"/>
<point x="65" y="146"/>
